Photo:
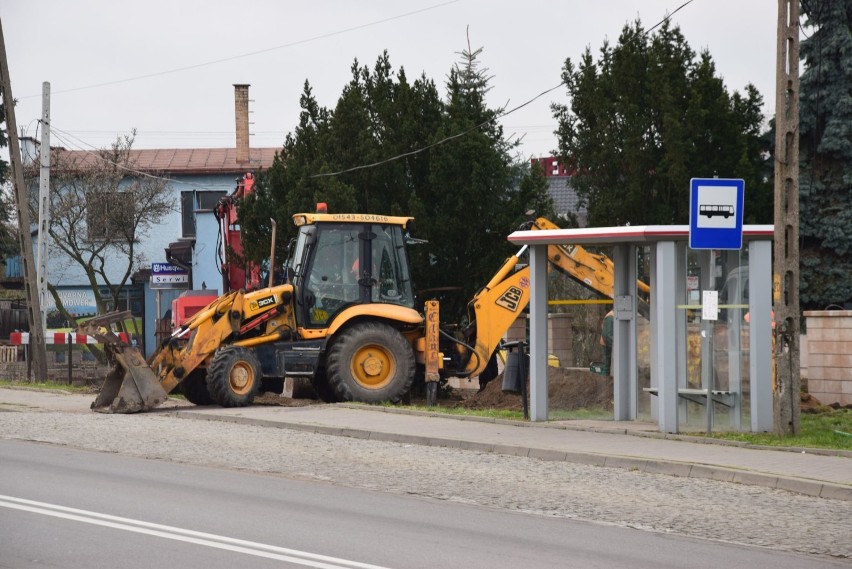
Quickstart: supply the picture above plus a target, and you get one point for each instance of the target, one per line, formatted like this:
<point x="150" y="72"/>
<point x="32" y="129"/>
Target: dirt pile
<point x="276" y="400"/>
<point x="810" y="404"/>
<point x="568" y="389"/>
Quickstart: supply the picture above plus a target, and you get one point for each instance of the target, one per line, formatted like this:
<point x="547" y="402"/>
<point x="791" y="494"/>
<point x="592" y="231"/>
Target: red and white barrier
<point x="59" y="338"/>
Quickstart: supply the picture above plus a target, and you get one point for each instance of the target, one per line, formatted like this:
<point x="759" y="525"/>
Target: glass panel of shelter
<point x="716" y="351"/>
<point x="580" y="384"/>
<point x="645" y="411"/>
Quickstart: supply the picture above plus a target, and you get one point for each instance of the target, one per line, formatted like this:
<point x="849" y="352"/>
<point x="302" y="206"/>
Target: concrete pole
<point x="44" y="200"/>
<point x="37" y="350"/>
<point x="785" y="284"/>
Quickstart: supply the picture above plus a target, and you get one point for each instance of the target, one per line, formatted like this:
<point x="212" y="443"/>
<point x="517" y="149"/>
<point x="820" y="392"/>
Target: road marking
<point x="185" y="535"/>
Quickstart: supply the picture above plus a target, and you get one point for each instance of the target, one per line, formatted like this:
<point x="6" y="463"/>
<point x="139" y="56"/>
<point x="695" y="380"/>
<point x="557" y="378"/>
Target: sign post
<point x="716" y="213"/>
<point x="715" y="222"/>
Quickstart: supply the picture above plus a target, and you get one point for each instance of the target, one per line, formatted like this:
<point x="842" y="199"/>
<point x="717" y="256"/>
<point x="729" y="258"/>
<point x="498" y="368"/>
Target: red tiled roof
<point x="182" y="160"/>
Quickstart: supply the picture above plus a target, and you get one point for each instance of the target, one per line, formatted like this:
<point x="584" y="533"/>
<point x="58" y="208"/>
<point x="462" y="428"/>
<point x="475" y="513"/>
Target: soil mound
<point x="568" y="389"/>
<point x="276" y="400"/>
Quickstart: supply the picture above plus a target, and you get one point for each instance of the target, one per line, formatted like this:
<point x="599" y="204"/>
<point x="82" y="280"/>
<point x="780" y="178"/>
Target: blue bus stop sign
<point x="716" y="213"/>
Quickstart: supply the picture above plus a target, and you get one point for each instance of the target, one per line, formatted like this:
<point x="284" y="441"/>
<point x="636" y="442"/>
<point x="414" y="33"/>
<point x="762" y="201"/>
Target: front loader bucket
<point x="131" y="386"/>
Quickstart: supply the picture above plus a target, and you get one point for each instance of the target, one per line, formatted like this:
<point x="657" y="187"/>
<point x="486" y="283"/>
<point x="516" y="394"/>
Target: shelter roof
<point x="628" y="234"/>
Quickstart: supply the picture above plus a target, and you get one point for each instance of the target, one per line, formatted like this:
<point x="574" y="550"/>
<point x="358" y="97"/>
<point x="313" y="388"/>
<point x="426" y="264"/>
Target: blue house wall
<point x="190" y="226"/>
<point x="198" y="228"/>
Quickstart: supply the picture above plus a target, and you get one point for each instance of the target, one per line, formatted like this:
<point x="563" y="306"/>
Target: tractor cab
<point x="343" y="260"/>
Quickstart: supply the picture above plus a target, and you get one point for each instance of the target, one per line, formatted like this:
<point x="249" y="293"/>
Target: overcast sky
<point x="167" y="67"/>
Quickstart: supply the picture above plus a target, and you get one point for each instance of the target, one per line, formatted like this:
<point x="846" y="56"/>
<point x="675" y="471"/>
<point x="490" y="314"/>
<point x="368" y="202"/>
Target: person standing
<point x="606" y="341"/>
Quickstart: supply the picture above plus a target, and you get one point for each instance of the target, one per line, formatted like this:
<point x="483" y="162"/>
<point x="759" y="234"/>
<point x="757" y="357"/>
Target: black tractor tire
<point x="234" y="377"/>
<point x="370" y="362"/>
<point x="322" y="387"/>
<point x="194" y="388"/>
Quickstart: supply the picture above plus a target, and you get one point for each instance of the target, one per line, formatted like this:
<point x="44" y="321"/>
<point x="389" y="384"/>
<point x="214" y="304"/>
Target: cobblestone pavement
<point x="685" y="506"/>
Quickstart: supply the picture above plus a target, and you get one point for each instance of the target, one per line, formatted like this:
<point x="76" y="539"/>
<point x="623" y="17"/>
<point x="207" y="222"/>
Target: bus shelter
<point x="686" y="343"/>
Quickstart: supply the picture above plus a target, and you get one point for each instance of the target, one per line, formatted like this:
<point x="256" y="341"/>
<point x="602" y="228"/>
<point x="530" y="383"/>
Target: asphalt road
<point x="63" y="507"/>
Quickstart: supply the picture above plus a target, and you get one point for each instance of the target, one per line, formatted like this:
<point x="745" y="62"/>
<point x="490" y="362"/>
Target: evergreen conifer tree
<point x="825" y="176"/>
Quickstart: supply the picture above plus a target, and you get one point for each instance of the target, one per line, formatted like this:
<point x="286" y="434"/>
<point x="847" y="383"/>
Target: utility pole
<point x="38" y="353"/>
<point x="785" y="285"/>
<point x="44" y="200"/>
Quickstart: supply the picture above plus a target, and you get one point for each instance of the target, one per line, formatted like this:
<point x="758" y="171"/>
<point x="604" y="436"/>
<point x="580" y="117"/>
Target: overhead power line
<point x="442" y="141"/>
<point x="252" y="53"/>
<point x="331" y="34"/>
<point x="668" y="16"/>
<point x="480" y="125"/>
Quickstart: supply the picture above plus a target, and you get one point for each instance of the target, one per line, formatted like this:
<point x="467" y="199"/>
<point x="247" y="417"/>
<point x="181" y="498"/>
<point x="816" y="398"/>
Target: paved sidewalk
<point x="602" y="443"/>
<point x="575" y="441"/>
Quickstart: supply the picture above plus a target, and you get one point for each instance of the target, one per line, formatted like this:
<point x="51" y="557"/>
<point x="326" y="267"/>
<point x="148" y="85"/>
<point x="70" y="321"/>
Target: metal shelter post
<point x="664" y="344"/>
<point x="707" y="263"/>
<point x="760" y="335"/>
<point x="538" y="333"/>
<point x="652" y="335"/>
<point x="624" y="367"/>
<point x="681" y="331"/>
<point x="734" y="322"/>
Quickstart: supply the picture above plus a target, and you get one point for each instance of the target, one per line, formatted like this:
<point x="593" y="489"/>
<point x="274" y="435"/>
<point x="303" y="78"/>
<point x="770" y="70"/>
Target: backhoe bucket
<point x="131" y="386"/>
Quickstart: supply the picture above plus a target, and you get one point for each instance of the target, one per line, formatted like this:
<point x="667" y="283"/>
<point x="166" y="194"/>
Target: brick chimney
<point x="241" y="112"/>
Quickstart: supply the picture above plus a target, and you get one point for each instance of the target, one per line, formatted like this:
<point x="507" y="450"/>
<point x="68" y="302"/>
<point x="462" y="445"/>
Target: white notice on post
<point x="710" y="305"/>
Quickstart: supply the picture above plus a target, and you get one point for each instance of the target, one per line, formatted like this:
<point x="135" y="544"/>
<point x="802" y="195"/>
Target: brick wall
<point x="560" y="338"/>
<point x="830" y="355"/>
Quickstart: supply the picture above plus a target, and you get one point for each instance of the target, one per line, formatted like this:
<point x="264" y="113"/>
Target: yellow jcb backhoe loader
<point x="346" y="318"/>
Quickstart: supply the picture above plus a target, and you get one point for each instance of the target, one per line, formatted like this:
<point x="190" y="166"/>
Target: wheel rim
<point x="373" y="366"/>
<point x="241" y="378"/>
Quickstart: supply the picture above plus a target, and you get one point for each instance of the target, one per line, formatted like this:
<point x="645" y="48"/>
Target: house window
<point x="192" y="201"/>
<point x="187" y="210"/>
<point x="208" y="200"/>
<point x="108" y="214"/>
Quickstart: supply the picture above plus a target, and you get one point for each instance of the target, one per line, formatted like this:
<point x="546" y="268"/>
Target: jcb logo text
<point x="510" y="299"/>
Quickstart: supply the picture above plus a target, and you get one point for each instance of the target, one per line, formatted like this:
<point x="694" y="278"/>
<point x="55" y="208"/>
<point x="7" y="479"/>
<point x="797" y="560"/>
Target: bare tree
<point x="101" y="209"/>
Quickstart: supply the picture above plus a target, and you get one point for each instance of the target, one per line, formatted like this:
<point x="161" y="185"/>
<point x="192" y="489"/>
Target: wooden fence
<point x="8" y="354"/>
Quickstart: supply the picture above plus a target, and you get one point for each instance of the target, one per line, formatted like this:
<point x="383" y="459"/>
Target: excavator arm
<point x="496" y="306"/>
<point x="208" y="330"/>
<point x="493" y="310"/>
<point x="592" y="270"/>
